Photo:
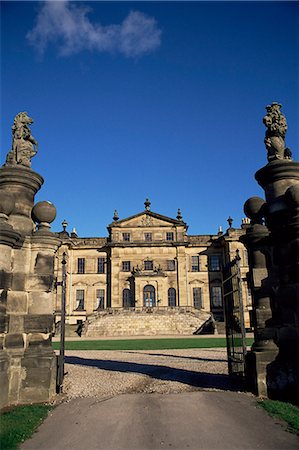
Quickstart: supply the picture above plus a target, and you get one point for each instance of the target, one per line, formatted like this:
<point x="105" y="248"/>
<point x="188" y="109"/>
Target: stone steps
<point x="220" y="327"/>
<point x="145" y="324"/>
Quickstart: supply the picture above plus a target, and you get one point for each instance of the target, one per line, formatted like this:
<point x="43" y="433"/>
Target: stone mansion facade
<point x="147" y="261"/>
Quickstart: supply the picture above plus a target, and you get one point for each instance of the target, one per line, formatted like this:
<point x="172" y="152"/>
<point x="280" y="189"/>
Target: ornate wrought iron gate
<point x="234" y="317"/>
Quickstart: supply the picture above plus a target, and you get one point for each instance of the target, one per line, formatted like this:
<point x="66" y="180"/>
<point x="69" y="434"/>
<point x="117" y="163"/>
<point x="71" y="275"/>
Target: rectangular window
<point x="214" y="263"/>
<point x="148" y="265"/>
<point x="100" y="299"/>
<point x="126" y="266"/>
<point x="81" y="265"/>
<point x="171" y="264"/>
<point x="195" y="263"/>
<point x="169" y="236"/>
<point x="101" y="265"/>
<point x="197" y="302"/>
<point x="80" y="299"/>
<point x="216" y="297"/>
<point x="148" y="237"/>
<point x="126" y="237"/>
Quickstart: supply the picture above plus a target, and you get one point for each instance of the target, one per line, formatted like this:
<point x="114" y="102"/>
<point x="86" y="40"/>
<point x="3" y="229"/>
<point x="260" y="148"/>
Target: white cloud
<point x="68" y="26"/>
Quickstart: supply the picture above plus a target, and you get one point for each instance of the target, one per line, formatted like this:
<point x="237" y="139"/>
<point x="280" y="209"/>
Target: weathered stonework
<point x="151" y="322"/>
<point x="273" y="364"/>
<point x="27" y="283"/>
<point x="23" y="183"/>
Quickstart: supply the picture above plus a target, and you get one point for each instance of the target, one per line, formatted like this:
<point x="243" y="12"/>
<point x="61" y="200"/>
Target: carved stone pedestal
<point x="23" y="183"/>
<point x="276" y="302"/>
<point x="280" y="180"/>
<point x="273" y="363"/>
<point x="256" y="371"/>
<point x="27" y="283"/>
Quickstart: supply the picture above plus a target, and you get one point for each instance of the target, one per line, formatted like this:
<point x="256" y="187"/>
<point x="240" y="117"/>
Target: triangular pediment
<point x="146" y="219"/>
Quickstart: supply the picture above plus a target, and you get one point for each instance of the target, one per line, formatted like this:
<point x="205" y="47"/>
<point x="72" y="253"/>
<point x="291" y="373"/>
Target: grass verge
<point x="19" y="423"/>
<point x="146" y="344"/>
<point x="285" y="411"/>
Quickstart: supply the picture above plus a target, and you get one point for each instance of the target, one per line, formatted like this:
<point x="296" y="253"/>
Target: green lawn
<point x="285" y="411"/>
<point x="146" y="344"/>
<point x="19" y="423"/>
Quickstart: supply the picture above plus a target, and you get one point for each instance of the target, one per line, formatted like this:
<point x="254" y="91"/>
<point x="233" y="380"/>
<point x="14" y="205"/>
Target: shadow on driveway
<point x="192" y="378"/>
<point x="194" y="358"/>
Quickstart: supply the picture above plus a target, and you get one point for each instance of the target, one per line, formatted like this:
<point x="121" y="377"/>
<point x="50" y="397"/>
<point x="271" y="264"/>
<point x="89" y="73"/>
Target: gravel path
<point x="103" y="374"/>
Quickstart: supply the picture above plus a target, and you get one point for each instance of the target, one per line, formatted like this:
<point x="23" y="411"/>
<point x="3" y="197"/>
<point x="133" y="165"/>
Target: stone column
<point x="263" y="349"/>
<point x="115" y="294"/>
<point x="181" y="276"/>
<point x="8" y="239"/>
<point x="280" y="180"/>
<point x="276" y="250"/>
<point x="39" y="361"/>
<point x="28" y="362"/>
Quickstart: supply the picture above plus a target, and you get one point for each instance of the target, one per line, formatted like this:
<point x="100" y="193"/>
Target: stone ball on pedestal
<point x="43" y="212"/>
<point x="7" y="203"/>
<point x="292" y="196"/>
<point x="254" y="208"/>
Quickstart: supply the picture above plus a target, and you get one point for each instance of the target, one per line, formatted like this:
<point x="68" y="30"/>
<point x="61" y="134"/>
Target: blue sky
<point x="148" y="99"/>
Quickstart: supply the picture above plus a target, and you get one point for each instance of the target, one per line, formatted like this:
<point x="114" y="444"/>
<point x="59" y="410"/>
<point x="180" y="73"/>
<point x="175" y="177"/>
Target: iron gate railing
<point x="234" y="317"/>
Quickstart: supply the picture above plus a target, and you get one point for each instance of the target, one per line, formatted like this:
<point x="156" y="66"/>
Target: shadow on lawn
<point x="192" y="378"/>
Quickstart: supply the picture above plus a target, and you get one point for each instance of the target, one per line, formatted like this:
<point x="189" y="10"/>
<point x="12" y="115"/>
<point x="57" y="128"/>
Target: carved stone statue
<point x="277" y="127"/>
<point x="24" y="146"/>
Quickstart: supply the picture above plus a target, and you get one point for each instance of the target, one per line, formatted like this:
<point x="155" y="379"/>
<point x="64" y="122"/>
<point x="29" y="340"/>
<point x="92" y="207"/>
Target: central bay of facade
<point x="148" y="263"/>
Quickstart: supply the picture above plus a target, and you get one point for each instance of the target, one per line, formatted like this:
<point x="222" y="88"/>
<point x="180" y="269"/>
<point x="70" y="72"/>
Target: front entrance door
<point x="149" y="296"/>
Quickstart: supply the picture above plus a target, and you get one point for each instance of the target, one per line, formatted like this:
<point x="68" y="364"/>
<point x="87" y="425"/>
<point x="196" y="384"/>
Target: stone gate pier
<point x="273" y="246"/>
<point x="27" y="282"/>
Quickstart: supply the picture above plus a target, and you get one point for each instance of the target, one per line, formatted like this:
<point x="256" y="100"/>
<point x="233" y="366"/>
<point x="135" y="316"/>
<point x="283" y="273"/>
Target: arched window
<point x="149" y="296"/>
<point x="127" y="298"/>
<point x="171" y="297"/>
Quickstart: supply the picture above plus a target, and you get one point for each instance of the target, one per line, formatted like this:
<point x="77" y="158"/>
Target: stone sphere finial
<point x="254" y="208"/>
<point x="7" y="203"/>
<point x="43" y="213"/>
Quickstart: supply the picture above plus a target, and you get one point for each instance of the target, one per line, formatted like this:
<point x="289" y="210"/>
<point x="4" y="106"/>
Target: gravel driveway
<point x="205" y="419"/>
<point x="103" y="374"/>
